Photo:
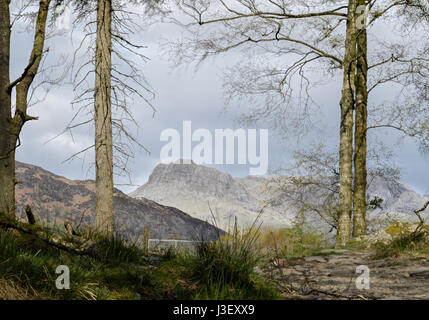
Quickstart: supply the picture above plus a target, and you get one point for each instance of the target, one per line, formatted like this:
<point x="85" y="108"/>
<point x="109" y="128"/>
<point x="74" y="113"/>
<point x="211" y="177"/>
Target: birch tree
<point x="360" y="136"/>
<point x="299" y="35"/>
<point x="292" y="47"/>
<point x="346" y="127"/>
<point x="310" y="183"/>
<point x="400" y="62"/>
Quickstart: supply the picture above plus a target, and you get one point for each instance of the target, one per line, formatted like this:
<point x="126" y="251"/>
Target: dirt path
<point x="333" y="275"/>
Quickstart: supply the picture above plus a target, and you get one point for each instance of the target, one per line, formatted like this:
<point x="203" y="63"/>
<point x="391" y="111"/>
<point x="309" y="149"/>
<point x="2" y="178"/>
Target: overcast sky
<point x="181" y="94"/>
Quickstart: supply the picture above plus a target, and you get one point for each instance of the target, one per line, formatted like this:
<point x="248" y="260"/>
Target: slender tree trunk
<point x="11" y="126"/>
<point x="7" y="180"/>
<point x="346" y="129"/>
<point x="360" y="180"/>
<point x="103" y="121"/>
<point x="7" y="159"/>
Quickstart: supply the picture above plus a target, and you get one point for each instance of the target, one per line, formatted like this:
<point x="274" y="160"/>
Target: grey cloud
<point x="181" y="94"/>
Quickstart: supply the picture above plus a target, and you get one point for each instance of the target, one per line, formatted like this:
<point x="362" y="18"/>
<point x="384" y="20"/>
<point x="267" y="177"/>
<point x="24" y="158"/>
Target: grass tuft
<point x="119" y="270"/>
<point x="414" y="243"/>
<point x="290" y="242"/>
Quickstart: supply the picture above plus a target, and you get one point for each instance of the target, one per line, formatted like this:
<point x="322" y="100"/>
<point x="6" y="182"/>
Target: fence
<point x="165" y="243"/>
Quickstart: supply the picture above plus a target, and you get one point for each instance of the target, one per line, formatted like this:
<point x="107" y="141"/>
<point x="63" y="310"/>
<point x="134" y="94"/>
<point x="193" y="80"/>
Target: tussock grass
<point x="230" y="259"/>
<point x="225" y="268"/>
<point x="215" y="270"/>
<point x="120" y="270"/>
<point x="9" y="290"/>
<point x="290" y="242"/>
<point x="31" y="265"/>
<point x="406" y="244"/>
<point x="116" y="250"/>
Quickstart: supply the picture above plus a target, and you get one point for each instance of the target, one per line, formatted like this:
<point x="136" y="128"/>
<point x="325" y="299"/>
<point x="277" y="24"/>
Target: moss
<point x="400" y="228"/>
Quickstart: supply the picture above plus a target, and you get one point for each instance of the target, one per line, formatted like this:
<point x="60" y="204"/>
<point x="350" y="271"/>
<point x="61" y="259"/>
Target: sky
<point x="183" y="93"/>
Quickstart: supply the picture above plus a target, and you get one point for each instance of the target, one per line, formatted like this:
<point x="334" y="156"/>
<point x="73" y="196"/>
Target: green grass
<point x="354" y="245"/>
<point x="119" y="270"/>
<point x="225" y="269"/>
<point x="407" y="244"/>
<point x="116" y="250"/>
<point x="290" y="242"/>
<point x="32" y="264"/>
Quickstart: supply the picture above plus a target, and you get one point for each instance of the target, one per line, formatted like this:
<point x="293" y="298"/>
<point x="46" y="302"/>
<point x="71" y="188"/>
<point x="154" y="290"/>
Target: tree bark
<point x="360" y="179"/>
<point x="7" y="163"/>
<point x="346" y="128"/>
<point x="104" y="219"/>
<point x="11" y="126"/>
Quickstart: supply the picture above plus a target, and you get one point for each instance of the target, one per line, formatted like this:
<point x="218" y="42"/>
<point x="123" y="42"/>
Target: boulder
<point x="381" y="236"/>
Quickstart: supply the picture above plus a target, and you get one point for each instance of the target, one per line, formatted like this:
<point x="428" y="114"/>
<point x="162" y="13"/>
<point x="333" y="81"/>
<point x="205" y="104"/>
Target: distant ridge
<point x="197" y="189"/>
<point x="56" y="198"/>
<point x="192" y="188"/>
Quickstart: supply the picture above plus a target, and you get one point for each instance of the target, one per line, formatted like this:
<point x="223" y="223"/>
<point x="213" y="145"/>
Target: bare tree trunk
<point x="7" y="159"/>
<point x="346" y="128"/>
<point x="360" y="180"/>
<point x="103" y="120"/>
<point x="7" y="187"/>
<point x="11" y="126"/>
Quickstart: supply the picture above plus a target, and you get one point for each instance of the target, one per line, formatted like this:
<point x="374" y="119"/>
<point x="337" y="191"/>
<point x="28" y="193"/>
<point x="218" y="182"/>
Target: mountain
<point x="206" y="192"/>
<point x="398" y="197"/>
<point x="192" y="188"/>
<point x="56" y="198"/>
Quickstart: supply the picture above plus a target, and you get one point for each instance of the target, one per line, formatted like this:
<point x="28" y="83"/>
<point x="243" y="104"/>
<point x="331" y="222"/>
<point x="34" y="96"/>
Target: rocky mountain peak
<point x="201" y="190"/>
<point x="385" y="188"/>
<point x="397" y="197"/>
<point x="197" y="177"/>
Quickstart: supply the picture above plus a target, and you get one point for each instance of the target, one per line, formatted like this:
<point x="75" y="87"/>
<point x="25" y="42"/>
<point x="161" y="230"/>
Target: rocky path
<point x="334" y="275"/>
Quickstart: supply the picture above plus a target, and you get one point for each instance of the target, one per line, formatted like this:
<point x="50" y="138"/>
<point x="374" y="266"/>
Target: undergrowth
<point x="408" y="244"/>
<point x="120" y="270"/>
<point x="225" y="269"/>
<point x="290" y="242"/>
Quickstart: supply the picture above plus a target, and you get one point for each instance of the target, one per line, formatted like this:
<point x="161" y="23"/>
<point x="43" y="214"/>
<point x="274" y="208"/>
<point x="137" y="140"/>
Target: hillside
<point x="56" y="198"/>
